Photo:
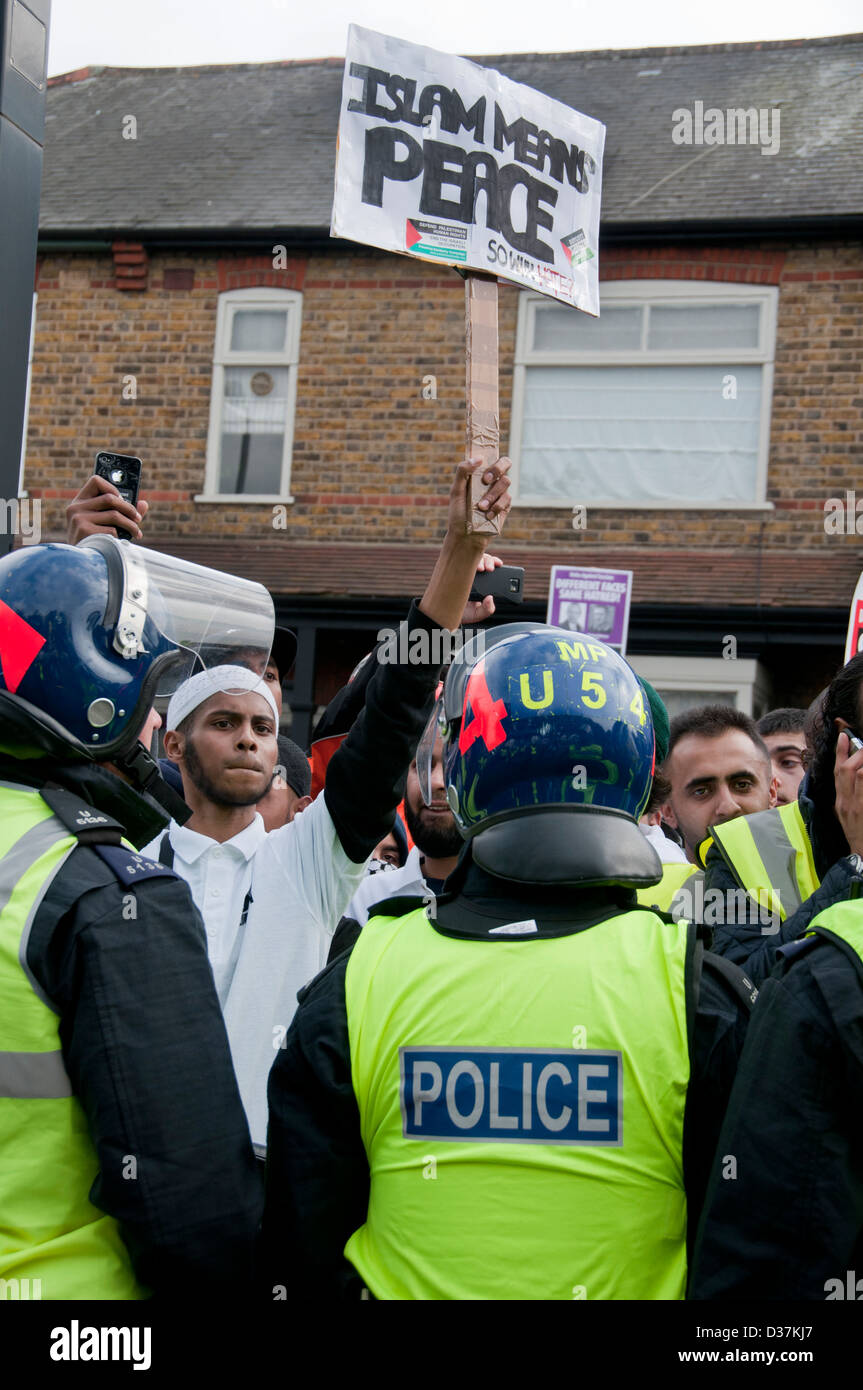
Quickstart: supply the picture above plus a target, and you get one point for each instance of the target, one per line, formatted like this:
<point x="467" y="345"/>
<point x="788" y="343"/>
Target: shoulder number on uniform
<point x="129" y="866"/>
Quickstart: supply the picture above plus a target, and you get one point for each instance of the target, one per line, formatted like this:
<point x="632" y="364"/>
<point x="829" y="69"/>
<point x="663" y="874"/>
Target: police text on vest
<point x="511" y="1095"/>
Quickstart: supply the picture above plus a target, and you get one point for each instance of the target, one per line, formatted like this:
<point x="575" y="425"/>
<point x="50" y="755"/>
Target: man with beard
<point x="718" y="768"/>
<point x="437" y="844"/>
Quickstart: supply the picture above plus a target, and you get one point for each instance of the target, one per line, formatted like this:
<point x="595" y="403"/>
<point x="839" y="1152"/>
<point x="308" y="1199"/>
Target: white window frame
<point x="745" y="678"/>
<point x="230" y="302"/>
<point x="637" y="293"/>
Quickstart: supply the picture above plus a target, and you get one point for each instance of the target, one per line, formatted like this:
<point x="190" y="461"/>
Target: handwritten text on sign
<point x="449" y="161"/>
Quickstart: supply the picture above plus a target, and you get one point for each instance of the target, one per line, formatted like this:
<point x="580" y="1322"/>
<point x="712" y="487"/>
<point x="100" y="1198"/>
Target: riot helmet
<point x="92" y="635"/>
<point x="548" y="757"/>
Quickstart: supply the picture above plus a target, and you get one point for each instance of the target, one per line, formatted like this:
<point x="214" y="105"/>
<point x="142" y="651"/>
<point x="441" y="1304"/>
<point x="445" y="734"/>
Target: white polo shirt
<point x="300" y="881"/>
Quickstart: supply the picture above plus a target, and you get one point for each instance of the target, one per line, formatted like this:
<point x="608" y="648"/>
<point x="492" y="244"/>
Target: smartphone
<point x="123" y="470"/>
<point x="505" y="583"/>
<point x="856" y="743"/>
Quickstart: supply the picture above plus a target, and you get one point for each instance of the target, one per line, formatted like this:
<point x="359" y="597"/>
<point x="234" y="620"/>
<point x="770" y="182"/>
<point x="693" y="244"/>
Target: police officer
<point x="127" y="1166"/>
<point x="786" y="1222"/>
<point x="518" y="1094"/>
<point x="774" y="871"/>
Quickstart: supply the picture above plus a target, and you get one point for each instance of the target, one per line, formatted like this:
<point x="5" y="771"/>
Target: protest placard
<point x="452" y="162"/>
<point x="593" y="601"/>
<point x="447" y="161"/>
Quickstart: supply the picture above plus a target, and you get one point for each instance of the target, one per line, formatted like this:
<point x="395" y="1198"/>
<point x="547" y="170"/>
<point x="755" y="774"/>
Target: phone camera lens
<point x="117" y="475"/>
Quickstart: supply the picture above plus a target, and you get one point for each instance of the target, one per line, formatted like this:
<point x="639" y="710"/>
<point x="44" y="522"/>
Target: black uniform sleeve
<point x="147" y="1054"/>
<point x="347" y="703"/>
<point x="366" y="776"/>
<point x="784" y="1206"/>
<point x="740" y="936"/>
<point x="344" y="937"/>
<point x="317" y="1170"/>
<point x="719" y="1034"/>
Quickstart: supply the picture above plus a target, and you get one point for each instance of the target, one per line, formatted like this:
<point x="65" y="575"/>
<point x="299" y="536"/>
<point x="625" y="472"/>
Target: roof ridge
<point x="96" y="69"/>
<point x="683" y="50"/>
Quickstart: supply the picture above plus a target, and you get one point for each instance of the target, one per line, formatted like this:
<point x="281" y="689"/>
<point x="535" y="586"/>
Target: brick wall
<point x="371" y="456"/>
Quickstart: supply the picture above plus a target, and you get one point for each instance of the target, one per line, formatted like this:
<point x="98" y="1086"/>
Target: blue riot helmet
<point x="548" y="757"/>
<point x="92" y="635"/>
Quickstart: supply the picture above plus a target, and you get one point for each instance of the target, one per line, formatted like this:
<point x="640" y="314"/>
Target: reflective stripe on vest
<point x="521" y="1104"/>
<point x="770" y="855"/>
<point x="39" y="1075"/>
<point x="49" y="1229"/>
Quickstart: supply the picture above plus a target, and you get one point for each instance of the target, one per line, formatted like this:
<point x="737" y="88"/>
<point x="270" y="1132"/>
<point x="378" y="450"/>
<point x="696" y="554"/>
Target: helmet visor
<point x="425" y="750"/>
<point x="213" y="618"/>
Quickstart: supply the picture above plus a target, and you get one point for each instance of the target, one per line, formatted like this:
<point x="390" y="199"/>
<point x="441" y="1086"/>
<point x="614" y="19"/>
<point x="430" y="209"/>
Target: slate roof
<point x="223" y="149"/>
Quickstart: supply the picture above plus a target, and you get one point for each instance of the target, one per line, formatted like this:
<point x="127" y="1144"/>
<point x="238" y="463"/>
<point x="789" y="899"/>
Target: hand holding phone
<point x="98" y="509"/>
<point x="506" y="583"/>
<point x="123" y="470"/>
<point x="848" y="782"/>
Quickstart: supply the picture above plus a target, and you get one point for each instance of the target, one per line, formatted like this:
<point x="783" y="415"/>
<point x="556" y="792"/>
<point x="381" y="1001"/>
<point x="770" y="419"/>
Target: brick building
<point x="298" y="402"/>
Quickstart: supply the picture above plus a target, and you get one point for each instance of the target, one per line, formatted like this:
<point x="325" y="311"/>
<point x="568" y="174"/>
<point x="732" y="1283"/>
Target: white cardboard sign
<point x="451" y="162"/>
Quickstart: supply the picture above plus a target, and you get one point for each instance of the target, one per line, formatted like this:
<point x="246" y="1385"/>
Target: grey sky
<point x="168" y="33"/>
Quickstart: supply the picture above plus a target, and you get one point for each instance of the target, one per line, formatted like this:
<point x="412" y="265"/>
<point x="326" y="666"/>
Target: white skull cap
<point x="229" y="679"/>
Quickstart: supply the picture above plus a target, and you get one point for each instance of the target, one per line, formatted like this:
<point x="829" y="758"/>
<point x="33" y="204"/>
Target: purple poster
<point x="592" y="601"/>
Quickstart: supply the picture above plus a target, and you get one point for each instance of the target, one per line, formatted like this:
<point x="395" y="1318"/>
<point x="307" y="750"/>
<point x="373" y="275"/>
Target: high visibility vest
<point x="770" y="855"/>
<point x="662" y="893"/>
<point x="521" y="1104"/>
<point x="842" y="921"/>
<point x="54" y="1244"/>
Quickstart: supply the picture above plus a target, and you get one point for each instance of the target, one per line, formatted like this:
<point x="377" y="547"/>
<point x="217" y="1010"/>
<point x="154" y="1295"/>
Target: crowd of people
<point x="496" y="997"/>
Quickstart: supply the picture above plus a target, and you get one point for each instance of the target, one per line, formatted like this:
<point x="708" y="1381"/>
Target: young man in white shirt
<point x="271" y="902"/>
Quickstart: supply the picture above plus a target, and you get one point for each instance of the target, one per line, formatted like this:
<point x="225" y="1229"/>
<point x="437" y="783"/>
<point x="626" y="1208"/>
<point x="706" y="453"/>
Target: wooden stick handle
<point x="483" y="410"/>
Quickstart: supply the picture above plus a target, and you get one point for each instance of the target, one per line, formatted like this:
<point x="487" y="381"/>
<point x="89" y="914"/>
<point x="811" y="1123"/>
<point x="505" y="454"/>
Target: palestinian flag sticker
<point x="438" y="239"/>
<point x="576" y="248"/>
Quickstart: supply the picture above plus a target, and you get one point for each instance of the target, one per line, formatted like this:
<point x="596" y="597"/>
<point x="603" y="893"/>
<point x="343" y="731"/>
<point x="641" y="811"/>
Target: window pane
<point x="641" y="434"/>
<point x="262" y="330"/>
<point x="679" y="701"/>
<point x="702" y="326"/>
<point x="557" y="328"/>
<point x="254" y="410"/>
